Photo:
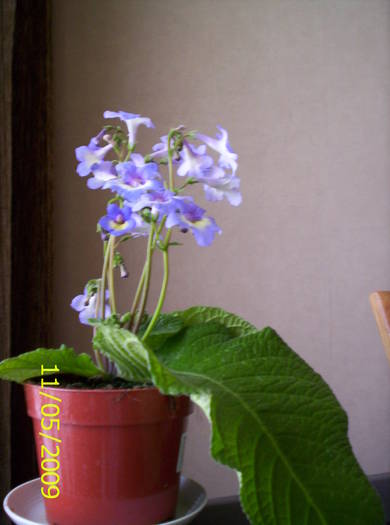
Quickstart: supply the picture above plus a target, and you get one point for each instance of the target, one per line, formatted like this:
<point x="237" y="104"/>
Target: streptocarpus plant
<point x="273" y="419"/>
<point x="150" y="201"/>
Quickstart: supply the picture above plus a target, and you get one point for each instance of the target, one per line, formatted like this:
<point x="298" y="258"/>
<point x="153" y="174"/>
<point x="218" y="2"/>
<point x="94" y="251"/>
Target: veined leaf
<point x="28" y="365"/>
<point x="125" y="350"/>
<point x="205" y="314"/>
<point x="274" y="420"/>
<point x="166" y="326"/>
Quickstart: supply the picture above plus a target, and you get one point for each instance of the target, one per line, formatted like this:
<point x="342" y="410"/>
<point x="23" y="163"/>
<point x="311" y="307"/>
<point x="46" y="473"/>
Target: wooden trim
<point x="7" y="9"/>
<point x="31" y="210"/>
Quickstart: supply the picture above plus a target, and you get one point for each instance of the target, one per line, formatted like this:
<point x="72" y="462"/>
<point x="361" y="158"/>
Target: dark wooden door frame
<point x="7" y="8"/>
<point x="26" y="260"/>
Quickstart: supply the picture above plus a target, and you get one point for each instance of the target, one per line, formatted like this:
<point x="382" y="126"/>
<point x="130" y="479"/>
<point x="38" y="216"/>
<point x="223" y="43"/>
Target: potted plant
<point x="273" y="419"/>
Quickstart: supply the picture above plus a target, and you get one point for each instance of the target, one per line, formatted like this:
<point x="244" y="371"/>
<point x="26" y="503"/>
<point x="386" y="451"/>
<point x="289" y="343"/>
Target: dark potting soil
<point x="89" y="383"/>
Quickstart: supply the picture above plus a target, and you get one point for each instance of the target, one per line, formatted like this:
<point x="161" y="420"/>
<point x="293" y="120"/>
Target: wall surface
<point x="304" y="89"/>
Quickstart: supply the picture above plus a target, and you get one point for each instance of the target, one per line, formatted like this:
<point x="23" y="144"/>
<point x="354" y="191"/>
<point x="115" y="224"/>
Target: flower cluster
<point x="146" y="201"/>
<point x="138" y="184"/>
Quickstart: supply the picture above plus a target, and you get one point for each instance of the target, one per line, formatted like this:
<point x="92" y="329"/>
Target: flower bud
<point x="123" y="271"/>
<point x="147" y="214"/>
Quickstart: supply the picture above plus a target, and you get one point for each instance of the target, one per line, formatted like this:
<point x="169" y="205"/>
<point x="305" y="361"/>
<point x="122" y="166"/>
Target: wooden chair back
<point x="380" y="304"/>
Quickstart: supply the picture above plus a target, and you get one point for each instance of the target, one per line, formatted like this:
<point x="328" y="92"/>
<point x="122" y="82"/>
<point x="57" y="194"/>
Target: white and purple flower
<point x="132" y="122"/>
<point x="160" y="202"/>
<point x="90" y="156"/>
<point x="103" y="172"/>
<point x="85" y="304"/>
<point x="217" y="184"/>
<point x="194" y="161"/>
<point x="220" y="144"/>
<point x="161" y="148"/>
<point x="135" y="178"/>
<point x="141" y="228"/>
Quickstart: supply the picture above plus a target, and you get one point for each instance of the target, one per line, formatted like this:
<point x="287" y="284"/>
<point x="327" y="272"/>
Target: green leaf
<point x="274" y="420"/>
<point x="205" y="314"/>
<point x="125" y="350"/>
<point x="112" y="320"/>
<point x="28" y="365"/>
<point x="170" y="324"/>
<point x="125" y="318"/>
<point x="166" y="326"/>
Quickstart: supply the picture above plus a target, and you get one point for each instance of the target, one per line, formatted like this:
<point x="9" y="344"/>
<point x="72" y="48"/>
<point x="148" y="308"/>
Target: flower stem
<point x="99" y="298"/>
<point x="158" y="231"/>
<point x="162" y="294"/>
<point x="103" y="280"/>
<point x="137" y="295"/>
<point x="143" y="274"/>
<point x="165" y="247"/>
<point x="99" y="359"/>
<point x="187" y="183"/>
<point x="97" y="355"/>
<point x="148" y="271"/>
<point x="170" y="165"/>
<point x="111" y="287"/>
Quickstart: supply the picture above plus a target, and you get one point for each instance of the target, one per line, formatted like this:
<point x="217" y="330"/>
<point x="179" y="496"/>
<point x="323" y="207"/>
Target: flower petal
<point x="78" y="302"/>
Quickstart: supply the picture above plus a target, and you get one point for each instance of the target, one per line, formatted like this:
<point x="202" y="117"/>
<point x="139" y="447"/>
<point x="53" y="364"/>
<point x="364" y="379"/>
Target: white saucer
<point x="25" y="506"/>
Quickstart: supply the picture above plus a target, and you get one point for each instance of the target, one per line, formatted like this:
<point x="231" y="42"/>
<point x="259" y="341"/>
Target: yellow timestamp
<point x="50" y="424"/>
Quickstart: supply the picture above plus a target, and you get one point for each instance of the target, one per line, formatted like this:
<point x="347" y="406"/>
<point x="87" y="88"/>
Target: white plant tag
<point x="181" y="452"/>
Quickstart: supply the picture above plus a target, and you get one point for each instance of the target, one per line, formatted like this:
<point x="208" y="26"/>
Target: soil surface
<point x="89" y="383"/>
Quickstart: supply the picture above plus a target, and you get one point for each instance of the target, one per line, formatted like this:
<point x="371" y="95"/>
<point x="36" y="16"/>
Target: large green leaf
<point x="28" y="365"/>
<point x="274" y="420"/>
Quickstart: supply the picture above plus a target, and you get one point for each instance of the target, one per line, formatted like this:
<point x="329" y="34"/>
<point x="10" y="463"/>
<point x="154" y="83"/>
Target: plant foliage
<point x="273" y="419"/>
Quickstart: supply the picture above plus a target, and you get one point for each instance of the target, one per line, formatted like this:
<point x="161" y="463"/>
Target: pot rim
<point x="108" y="406"/>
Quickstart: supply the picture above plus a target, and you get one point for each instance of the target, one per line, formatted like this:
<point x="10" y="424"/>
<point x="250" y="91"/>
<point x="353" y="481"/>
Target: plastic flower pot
<point x="119" y="454"/>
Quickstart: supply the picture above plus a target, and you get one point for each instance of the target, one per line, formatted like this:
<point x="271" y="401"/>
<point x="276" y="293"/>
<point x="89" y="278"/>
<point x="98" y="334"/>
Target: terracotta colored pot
<point x="119" y="456"/>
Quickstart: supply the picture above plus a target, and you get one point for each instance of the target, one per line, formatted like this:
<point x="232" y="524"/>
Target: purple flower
<point x="96" y="140"/>
<point x="90" y="156"/>
<point x="160" y="202"/>
<point x="218" y="184"/>
<point x="194" y="161"/>
<point x="132" y="122"/>
<point x="103" y="173"/>
<point x="86" y="306"/>
<point x="149" y="169"/>
<point x="118" y="221"/>
<point x="220" y="144"/>
<point x="135" y="178"/>
<point x="181" y="212"/>
<point x="160" y="149"/>
<point x="141" y="227"/>
<point x="189" y="216"/>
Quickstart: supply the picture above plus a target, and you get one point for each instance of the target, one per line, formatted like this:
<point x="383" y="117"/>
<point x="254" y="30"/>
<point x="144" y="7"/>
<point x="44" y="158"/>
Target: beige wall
<point x="303" y="86"/>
